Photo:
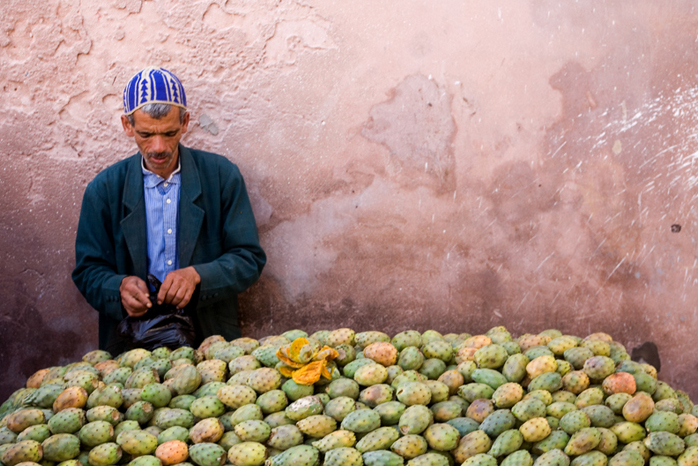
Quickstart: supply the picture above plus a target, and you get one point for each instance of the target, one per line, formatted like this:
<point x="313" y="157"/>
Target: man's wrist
<point x="195" y="275"/>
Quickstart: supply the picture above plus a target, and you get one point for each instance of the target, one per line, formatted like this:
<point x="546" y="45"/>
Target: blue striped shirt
<point x="161" y="213"/>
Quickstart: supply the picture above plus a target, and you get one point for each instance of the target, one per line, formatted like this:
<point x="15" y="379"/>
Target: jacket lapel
<point x="133" y="224"/>
<point x="191" y="216"/>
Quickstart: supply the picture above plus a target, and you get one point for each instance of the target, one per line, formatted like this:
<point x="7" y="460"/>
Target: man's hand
<point x="134" y="296"/>
<point x="178" y="287"/>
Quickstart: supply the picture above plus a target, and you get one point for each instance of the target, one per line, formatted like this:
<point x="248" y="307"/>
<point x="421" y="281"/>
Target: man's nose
<point x="159" y="144"/>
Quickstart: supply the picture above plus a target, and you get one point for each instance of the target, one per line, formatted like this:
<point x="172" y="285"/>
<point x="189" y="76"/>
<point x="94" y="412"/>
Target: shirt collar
<point x="151" y="179"/>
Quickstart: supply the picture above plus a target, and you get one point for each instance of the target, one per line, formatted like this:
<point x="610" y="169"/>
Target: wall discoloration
<point x="456" y="165"/>
<point x="417" y="128"/>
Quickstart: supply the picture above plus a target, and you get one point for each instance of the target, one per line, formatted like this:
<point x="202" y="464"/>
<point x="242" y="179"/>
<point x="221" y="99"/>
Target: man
<point x="180" y="214"/>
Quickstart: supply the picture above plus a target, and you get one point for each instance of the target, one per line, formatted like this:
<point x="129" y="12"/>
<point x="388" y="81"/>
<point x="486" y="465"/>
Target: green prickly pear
<point x="39" y="433"/>
<point x="317" y="426"/>
<point x="415" y="419"/>
<point x="20" y="452"/>
<point x="104" y="413"/>
<point x="210" y="429"/>
<point x="337" y="439"/>
<point x="68" y="421"/>
<point x="343" y="456"/>
<point x="628" y="432"/>
<point x="342" y="387"/>
<point x="105" y="454"/>
<point x="379" y="439"/>
<point x="663" y="421"/>
<point x="480" y="460"/>
<point x="208" y="454"/>
<point x="137" y="442"/>
<point x="61" y="447"/>
<point x="472" y="444"/>
<point x="156" y="394"/>
<point x="600" y="415"/>
<point x="443" y="437"/>
<point x="582" y="441"/>
<point x="489" y="377"/>
<point x="553" y="457"/>
<point x="382" y="458"/>
<point x="665" y="443"/>
<point x="514" y="369"/>
<point x="518" y="458"/>
<point x="95" y="433"/>
<point x="498" y="422"/>
<point x="506" y="443"/>
<point x="247" y="454"/>
<point x="285" y="437"/>
<point x="304" y="407"/>
<point x="301" y="455"/>
<point x="253" y="431"/>
<point x="688" y="457"/>
<point x="20" y="420"/>
<point x="141" y="412"/>
<point x="410" y="446"/>
<point x="207" y="406"/>
<point x="590" y="458"/>
<point x="272" y="401"/>
<point x="362" y="421"/>
<point x="626" y="458"/>
<point x="574" y="421"/>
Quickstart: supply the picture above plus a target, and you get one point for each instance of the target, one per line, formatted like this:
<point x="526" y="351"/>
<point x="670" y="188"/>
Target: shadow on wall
<point x="647" y="353"/>
<point x="27" y="343"/>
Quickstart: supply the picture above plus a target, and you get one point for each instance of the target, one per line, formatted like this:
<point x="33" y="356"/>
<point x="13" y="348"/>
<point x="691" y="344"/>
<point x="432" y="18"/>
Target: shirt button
<point x="168" y="201"/>
<point x="169" y="231"/>
<point x="169" y="262"/>
<point x="166" y="184"/>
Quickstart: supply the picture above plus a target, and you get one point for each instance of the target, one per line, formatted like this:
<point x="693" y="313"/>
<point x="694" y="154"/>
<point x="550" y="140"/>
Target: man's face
<point x="157" y="139"/>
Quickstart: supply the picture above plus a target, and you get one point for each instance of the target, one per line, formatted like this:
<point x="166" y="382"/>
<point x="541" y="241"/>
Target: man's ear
<point x="128" y="129"/>
<point x="185" y="122"/>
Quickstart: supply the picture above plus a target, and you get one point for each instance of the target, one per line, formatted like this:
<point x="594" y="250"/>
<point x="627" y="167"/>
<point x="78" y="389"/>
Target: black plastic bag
<point x="162" y="325"/>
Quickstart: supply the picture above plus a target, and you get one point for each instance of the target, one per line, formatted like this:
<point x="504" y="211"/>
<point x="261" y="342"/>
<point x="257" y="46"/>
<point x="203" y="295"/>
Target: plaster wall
<point x="452" y="165"/>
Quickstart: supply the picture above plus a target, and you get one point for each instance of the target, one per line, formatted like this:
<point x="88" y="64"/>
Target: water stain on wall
<point x="416" y="126"/>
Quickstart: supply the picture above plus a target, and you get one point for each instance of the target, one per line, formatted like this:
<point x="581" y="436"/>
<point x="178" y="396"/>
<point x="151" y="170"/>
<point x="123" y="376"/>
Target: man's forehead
<point x="143" y="119"/>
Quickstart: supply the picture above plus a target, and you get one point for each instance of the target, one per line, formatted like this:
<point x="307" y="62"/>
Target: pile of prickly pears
<point x="421" y="399"/>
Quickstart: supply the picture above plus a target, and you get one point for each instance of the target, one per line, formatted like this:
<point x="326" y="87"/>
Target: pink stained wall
<point x="448" y="165"/>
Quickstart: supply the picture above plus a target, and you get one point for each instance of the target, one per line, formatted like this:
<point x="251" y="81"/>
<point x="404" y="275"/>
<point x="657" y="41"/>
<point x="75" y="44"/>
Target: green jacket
<point x="217" y="235"/>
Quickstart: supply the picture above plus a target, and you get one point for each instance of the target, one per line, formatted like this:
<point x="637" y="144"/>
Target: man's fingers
<point x="179" y="297"/>
<point x="142" y="298"/>
<point x="133" y="306"/>
<point x="134" y="296"/>
<point x="178" y="287"/>
<point x="172" y="292"/>
<point x="187" y="297"/>
<point x="164" y="290"/>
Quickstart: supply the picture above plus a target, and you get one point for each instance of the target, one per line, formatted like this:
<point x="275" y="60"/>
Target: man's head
<point x="155" y="116"/>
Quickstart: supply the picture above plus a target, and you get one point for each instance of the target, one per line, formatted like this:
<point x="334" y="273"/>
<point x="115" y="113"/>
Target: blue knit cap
<point x="153" y="86"/>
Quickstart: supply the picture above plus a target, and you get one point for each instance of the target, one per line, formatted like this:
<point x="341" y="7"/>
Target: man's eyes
<point x="169" y="134"/>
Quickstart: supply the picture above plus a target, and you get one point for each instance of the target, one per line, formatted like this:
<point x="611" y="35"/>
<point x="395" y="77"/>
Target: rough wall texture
<point x="449" y="165"/>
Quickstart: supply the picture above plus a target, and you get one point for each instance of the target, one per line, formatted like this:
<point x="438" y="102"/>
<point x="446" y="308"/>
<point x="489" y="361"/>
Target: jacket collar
<point x="191" y="216"/>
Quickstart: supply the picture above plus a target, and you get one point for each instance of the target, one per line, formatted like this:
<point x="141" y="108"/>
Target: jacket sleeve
<point x="95" y="262"/>
<point x="243" y="259"/>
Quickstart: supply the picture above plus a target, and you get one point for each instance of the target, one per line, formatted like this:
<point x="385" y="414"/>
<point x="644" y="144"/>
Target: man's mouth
<point x="159" y="157"/>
